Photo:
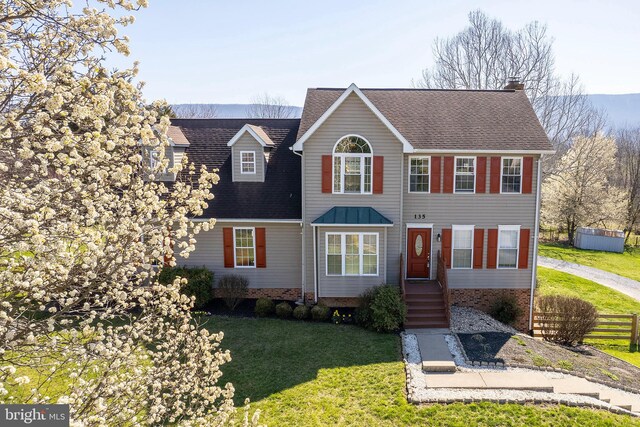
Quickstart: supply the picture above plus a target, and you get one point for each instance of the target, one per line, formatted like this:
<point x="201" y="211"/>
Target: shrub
<point x="199" y="285"/>
<point x="233" y="290"/>
<point x="264" y="307"/>
<point x="381" y="309"/>
<point x="284" y="310"/>
<point x="506" y="310"/>
<point x="301" y="312"/>
<point x="566" y="320"/>
<point x="320" y="313"/>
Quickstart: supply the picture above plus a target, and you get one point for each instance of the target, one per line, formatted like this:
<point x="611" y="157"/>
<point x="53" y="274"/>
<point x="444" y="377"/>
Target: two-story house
<point x="368" y="187"/>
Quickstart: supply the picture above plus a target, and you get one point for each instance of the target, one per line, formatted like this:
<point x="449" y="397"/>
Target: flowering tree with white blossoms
<point x="82" y="224"/>
<point x="582" y="193"/>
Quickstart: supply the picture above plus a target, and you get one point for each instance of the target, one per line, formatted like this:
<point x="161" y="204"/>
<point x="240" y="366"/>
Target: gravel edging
<point x="419" y="393"/>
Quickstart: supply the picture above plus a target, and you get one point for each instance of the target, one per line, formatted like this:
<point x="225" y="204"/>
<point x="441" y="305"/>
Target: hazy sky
<point x="228" y="51"/>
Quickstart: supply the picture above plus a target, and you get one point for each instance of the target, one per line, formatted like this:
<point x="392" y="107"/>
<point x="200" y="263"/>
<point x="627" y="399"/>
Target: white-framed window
<point x="511" y="175"/>
<point x="248" y="162"/>
<point x="465" y="175"/>
<point x="244" y="247"/>
<point x="462" y="246"/>
<point x="508" y="246"/>
<point x="352" y="157"/>
<point x="154" y="160"/>
<point x="419" y="174"/>
<point x="352" y="254"/>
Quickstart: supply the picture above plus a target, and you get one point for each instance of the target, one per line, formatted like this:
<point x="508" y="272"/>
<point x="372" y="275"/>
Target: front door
<point x="418" y="253"/>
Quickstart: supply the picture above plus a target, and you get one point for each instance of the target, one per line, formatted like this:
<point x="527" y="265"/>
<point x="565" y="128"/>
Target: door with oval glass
<point x="418" y="253"/>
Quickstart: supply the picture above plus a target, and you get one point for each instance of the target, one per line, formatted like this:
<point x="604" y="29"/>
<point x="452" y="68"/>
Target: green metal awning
<point x="352" y="216"/>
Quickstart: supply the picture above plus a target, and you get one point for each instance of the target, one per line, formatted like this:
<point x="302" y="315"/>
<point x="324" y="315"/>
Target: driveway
<point x="621" y="284"/>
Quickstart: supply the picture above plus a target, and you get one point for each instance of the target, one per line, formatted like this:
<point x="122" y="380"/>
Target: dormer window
<point x="153" y="158"/>
<point x="248" y="162"/>
<point x="352" y="166"/>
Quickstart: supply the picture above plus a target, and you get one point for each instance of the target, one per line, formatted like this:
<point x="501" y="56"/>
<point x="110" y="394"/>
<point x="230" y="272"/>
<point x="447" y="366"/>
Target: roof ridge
<point x="234" y="118"/>
<point x="416" y="89"/>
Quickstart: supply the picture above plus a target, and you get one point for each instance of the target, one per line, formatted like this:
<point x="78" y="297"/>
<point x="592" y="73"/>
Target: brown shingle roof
<point x="176" y="135"/>
<point x="278" y="197"/>
<point x="262" y="134"/>
<point x="447" y="119"/>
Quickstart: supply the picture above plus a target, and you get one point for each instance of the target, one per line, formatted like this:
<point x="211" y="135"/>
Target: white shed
<point x="599" y="239"/>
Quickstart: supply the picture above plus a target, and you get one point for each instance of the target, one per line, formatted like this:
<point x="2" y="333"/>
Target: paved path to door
<point x="621" y="284"/>
<point x="431" y="369"/>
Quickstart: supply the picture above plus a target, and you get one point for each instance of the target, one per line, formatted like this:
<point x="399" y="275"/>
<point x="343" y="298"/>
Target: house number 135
<point x="420" y="216"/>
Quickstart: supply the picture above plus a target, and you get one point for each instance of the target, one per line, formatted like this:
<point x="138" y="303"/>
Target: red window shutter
<point x="492" y="248"/>
<point x="378" y="174"/>
<point x="481" y="174"/>
<point x="448" y="175"/>
<point x="446" y="246"/>
<point x="227" y="237"/>
<point x="261" y="248"/>
<point x="435" y="174"/>
<point x="527" y="175"/>
<point x="496" y="165"/>
<point x="478" y="247"/>
<point x="327" y="169"/>
<point x="523" y="257"/>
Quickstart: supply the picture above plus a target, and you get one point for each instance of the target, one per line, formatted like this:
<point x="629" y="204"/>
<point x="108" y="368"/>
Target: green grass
<point x="626" y="264"/>
<point x="606" y="300"/>
<point x="312" y="374"/>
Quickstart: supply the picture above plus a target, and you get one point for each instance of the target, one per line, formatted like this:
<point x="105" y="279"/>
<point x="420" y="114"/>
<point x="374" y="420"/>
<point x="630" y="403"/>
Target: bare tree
<point x="195" y="111"/>
<point x="265" y="106"/>
<point x="485" y="54"/>
<point x="629" y="167"/>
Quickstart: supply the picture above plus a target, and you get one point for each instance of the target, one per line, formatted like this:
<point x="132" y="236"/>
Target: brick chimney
<point x="513" y="83"/>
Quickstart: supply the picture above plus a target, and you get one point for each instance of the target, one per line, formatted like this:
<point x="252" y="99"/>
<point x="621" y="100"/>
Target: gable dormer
<point x="250" y="149"/>
<point x="177" y="147"/>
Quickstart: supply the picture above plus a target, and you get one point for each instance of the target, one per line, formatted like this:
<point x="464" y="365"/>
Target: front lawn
<point x="626" y="264"/>
<point x="606" y="300"/>
<point x="319" y="374"/>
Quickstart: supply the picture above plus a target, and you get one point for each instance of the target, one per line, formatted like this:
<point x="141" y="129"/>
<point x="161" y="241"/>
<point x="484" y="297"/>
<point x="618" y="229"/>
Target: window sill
<point x="352" y="275"/>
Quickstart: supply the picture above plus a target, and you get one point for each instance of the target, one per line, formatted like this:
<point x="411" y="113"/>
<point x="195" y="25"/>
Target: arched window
<point x="352" y="165"/>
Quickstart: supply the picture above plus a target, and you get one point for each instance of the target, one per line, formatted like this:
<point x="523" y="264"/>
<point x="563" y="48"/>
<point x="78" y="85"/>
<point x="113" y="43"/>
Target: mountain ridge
<point x="622" y="110"/>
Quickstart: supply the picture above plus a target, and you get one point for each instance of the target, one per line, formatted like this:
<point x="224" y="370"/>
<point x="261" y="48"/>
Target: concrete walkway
<point x="439" y="372"/>
<point x="621" y="284"/>
<point x="434" y="350"/>
<point x="532" y="381"/>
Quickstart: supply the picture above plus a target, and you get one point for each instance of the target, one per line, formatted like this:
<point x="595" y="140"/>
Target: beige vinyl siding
<point x="284" y="260"/>
<point x="348" y="286"/>
<point x="352" y="117"/>
<point x="248" y="143"/>
<point x="482" y="210"/>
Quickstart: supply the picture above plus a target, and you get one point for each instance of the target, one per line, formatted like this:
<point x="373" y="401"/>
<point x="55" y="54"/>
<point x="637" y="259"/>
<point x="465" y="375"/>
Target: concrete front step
<point x="574" y="385"/>
<point x="435" y="353"/>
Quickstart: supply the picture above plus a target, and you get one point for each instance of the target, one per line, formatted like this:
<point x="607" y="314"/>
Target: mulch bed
<point x="584" y="360"/>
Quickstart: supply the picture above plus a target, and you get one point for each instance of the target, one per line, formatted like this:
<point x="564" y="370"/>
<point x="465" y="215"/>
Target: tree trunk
<point x="571" y="230"/>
